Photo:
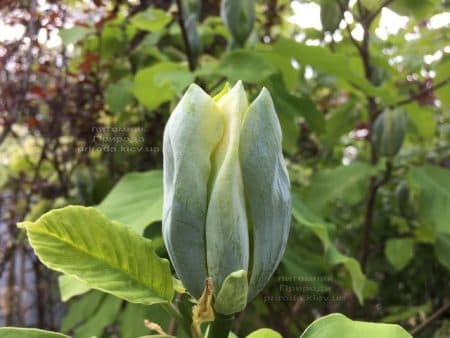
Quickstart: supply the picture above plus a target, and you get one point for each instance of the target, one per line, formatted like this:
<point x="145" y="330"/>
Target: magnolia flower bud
<point x="227" y="206"/>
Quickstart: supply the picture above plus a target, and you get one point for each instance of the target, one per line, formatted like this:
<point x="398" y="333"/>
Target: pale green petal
<point x="192" y="133"/>
<point x="267" y="189"/>
<point x="226" y="231"/>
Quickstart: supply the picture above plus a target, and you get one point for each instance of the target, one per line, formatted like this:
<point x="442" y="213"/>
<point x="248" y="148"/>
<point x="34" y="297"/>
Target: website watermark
<point x="118" y="139"/>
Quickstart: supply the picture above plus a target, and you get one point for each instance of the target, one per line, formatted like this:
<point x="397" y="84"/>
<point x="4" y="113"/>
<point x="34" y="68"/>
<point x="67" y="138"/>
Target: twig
<point x="368" y="217"/>
<point x="184" y="33"/>
<point x="420" y="94"/>
<point x="373" y="15"/>
<point x="439" y="312"/>
<point x="347" y="27"/>
<point x="172" y="329"/>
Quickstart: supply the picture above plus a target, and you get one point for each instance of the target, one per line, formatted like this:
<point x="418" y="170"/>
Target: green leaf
<point x="106" y="255"/>
<point x="339" y="65"/>
<point x="245" y="65"/>
<point x="337" y="325"/>
<point x="136" y="200"/>
<point x="81" y="310"/>
<point x="419" y="9"/>
<point x="264" y="333"/>
<point x="132" y="318"/>
<point x="340" y="121"/>
<point x="344" y="182"/>
<point x="70" y="287"/>
<point x="443" y="94"/>
<point x="15" y="332"/>
<point x="73" y="35"/>
<point x="103" y="316"/>
<point x="306" y="217"/>
<point x="118" y="95"/>
<point x="399" y="252"/>
<point x="296" y="106"/>
<point x="433" y="183"/>
<point x="290" y="75"/>
<point x="442" y="249"/>
<point x="422" y="120"/>
<point x="401" y="313"/>
<point x="160" y="83"/>
<point x="371" y="4"/>
<point x="151" y="20"/>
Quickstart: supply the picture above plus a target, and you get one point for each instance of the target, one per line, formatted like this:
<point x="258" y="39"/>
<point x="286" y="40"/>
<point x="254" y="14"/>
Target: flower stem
<point x="220" y="327"/>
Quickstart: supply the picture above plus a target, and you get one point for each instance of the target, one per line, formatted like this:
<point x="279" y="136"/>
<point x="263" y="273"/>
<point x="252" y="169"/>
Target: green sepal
<point x="232" y="297"/>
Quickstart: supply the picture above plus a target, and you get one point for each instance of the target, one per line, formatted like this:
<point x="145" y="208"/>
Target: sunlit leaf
<point x="152" y="20"/>
<point x="264" y="333"/>
<point x="15" y="332"/>
<point x="70" y="287"/>
<point x="106" y="255"/>
<point x="337" y="325"/>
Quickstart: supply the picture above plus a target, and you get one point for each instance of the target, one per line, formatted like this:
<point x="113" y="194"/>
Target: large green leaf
<point x="345" y="182"/>
<point x="433" y="184"/>
<point x="306" y="217"/>
<point x="337" y="325"/>
<point x="159" y="83"/>
<point x="106" y="255"/>
<point x="245" y="65"/>
<point x="15" y="332"/>
<point x="136" y="200"/>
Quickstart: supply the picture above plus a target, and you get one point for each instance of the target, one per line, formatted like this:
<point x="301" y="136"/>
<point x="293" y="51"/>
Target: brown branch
<point x="368" y="217"/>
<point x="419" y="94"/>
<point x="184" y="33"/>
<point x="439" y="312"/>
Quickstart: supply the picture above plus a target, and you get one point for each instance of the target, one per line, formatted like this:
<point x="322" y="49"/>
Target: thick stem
<point x="220" y="327"/>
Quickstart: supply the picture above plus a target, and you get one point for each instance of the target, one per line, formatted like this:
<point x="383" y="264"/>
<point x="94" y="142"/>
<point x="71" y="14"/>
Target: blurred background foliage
<point x="86" y="89"/>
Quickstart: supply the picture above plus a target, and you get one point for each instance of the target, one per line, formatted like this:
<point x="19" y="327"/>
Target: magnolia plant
<point x="226" y="219"/>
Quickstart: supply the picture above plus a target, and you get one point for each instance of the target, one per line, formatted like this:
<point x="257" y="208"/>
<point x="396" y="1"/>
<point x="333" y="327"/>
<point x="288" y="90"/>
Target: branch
<point x="347" y="27"/>
<point x="432" y="318"/>
<point x="373" y="15"/>
<point x="184" y="33"/>
<point x="418" y="95"/>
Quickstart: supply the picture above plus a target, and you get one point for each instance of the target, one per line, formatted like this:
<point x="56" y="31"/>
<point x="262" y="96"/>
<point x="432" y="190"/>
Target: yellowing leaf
<point x="106" y="255"/>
